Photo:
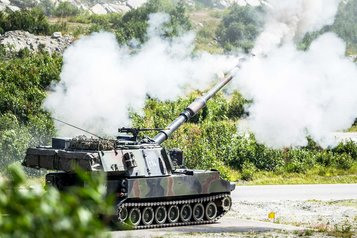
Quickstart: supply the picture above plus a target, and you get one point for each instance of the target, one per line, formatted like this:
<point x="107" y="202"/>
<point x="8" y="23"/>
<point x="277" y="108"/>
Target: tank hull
<point x="199" y="183"/>
<point x="195" y="191"/>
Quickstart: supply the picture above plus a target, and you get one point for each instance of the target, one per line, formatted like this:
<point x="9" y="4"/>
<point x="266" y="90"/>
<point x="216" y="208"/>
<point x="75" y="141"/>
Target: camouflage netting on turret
<point x="85" y="143"/>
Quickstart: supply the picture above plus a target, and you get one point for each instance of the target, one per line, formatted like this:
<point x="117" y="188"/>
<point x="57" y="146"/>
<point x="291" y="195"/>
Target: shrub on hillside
<point x="66" y="9"/>
<point x="33" y="21"/>
<point x="133" y="24"/>
<point x="239" y="28"/>
<point x="23" y="122"/>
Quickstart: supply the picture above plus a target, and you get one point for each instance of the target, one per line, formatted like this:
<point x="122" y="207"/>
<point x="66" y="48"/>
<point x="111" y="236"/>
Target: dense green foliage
<point x="345" y="23"/>
<point x="133" y="24"/>
<point x="240" y="27"/>
<point x="33" y="21"/>
<point x="344" y="26"/>
<point x="23" y="84"/>
<point x="34" y="212"/>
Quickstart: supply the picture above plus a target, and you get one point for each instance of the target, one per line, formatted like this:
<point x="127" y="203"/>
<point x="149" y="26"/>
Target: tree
<point x="47" y="7"/>
<point x="33" y="21"/>
<point x="65" y="9"/>
<point x="345" y="23"/>
<point x="133" y="24"/>
<point x="344" y="26"/>
<point x="239" y="28"/>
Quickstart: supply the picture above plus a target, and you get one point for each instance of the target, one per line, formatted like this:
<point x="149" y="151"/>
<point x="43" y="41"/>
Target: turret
<point x="193" y="108"/>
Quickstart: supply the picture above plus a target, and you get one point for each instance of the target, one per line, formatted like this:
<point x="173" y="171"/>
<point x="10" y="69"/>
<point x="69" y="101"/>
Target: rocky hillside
<point x="116" y="6"/>
<point x="15" y="41"/>
<point x="96" y="7"/>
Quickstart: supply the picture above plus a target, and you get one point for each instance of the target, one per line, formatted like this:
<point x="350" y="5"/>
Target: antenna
<point x="78" y="128"/>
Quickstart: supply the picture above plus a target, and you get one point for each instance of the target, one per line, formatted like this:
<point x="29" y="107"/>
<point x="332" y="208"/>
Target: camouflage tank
<point x="152" y="186"/>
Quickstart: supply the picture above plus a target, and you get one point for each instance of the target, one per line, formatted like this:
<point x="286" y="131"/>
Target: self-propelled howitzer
<point x="152" y="186"/>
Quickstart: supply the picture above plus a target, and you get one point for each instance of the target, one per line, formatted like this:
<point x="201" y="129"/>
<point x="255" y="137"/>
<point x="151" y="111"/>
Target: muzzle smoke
<point x="101" y="81"/>
<point x="296" y="93"/>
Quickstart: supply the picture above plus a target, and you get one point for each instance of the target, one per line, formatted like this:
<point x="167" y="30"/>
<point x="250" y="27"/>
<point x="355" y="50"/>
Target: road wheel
<point x="226" y="203"/>
<point x="173" y="214"/>
<point x="122" y="214"/>
<point x="211" y="211"/>
<point x="147" y="216"/>
<point x="198" y="212"/>
<point x="160" y="215"/>
<point x="134" y="216"/>
<point x="186" y="213"/>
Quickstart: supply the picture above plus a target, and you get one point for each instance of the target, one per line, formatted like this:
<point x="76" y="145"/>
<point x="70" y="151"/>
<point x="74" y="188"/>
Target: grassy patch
<point x="353" y="129"/>
<point x="67" y="26"/>
<point x="317" y="175"/>
<point x="345" y="203"/>
<point x="344" y="230"/>
<point x="341" y="203"/>
<point x="205" y="23"/>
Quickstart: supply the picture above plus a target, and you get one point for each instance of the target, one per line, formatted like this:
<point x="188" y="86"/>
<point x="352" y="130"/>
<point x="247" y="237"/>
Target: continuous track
<point x="223" y="203"/>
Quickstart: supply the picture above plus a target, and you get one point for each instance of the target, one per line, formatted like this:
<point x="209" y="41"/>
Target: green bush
<point x="236" y="106"/>
<point x="23" y="122"/>
<point x="343" y="161"/>
<point x="33" y="21"/>
<point x="33" y="212"/>
<point x="348" y="147"/>
<point x="325" y="158"/>
<point x="248" y="170"/>
<point x="14" y="139"/>
<point x="239" y="28"/>
<point x="24" y="81"/>
<point x="299" y="161"/>
<point x="66" y="9"/>
<point x="133" y="24"/>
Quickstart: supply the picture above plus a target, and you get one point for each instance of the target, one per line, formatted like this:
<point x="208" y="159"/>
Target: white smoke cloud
<point x="297" y="94"/>
<point x="101" y="80"/>
<point x="289" y="21"/>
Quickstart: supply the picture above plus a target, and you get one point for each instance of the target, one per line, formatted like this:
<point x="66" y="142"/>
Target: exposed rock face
<point x="123" y="6"/>
<point x="228" y="3"/>
<point x="18" y="40"/>
<point x="104" y="8"/>
<point x="6" y="4"/>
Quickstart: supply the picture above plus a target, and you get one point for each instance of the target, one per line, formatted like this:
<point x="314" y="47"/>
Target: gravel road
<point x="314" y="210"/>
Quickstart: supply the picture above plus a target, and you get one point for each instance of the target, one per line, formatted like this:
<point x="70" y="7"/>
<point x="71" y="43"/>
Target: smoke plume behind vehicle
<point x="298" y="93"/>
<point x="294" y="93"/>
<point x="101" y="80"/>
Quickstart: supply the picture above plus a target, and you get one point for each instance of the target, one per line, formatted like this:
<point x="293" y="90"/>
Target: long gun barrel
<point x="193" y="108"/>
